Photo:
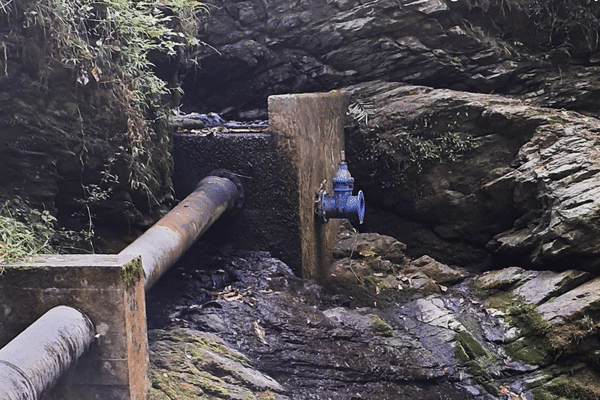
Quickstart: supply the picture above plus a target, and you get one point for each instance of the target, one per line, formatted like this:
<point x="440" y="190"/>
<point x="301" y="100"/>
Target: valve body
<point x="342" y="204"/>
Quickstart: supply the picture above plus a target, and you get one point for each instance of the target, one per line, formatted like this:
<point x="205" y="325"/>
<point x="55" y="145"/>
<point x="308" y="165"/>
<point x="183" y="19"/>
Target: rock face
<point x="526" y="189"/>
<point x="268" y="47"/>
<point x="64" y="144"/>
<point x="294" y="332"/>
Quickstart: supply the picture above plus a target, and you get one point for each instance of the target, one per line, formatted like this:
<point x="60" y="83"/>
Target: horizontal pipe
<point x="34" y="361"/>
<point x="166" y="241"/>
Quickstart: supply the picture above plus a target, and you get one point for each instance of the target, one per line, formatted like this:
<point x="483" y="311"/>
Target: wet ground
<point x="316" y="344"/>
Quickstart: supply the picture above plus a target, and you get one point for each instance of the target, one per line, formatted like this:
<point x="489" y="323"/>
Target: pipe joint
<point x="342" y="204"/>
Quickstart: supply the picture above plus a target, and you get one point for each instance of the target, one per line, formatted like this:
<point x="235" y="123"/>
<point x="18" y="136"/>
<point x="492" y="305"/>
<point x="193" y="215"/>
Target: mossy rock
<point x="380" y="327"/>
<point x="583" y="385"/>
<point x="185" y="364"/>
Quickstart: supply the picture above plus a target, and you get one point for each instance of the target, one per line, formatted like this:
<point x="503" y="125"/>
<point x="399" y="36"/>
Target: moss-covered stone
<point x="584" y="385"/>
<point x="468" y="345"/>
<point x="187" y="366"/>
<point x="533" y="347"/>
<point x="533" y="350"/>
<point x="380" y="327"/>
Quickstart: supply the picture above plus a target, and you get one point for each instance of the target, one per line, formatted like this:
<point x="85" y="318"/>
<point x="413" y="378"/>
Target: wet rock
<point x="550" y="284"/>
<point x="584" y="299"/>
<point x="350" y="245"/>
<point x="372" y="264"/>
<point x="478" y="339"/>
<point x="295" y="332"/>
<point x="440" y="273"/>
<point x="505" y="278"/>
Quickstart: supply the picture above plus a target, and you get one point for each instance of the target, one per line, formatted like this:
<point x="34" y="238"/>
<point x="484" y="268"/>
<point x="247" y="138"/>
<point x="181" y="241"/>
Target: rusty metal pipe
<point x="33" y="362"/>
<point x="166" y="241"/>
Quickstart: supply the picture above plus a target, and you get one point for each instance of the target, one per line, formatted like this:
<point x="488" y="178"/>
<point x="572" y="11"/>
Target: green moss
<point x="132" y="271"/>
<point x="542" y="394"/>
<point x="470" y="346"/>
<point x="584" y="385"/>
<point x="534" y="345"/>
<point x="479" y="362"/>
<point x="187" y="384"/>
<point x="491" y="388"/>
<point x="460" y="354"/>
<point x="208" y="344"/>
<point x="249" y="395"/>
<point x="533" y="350"/>
<point x="380" y="327"/>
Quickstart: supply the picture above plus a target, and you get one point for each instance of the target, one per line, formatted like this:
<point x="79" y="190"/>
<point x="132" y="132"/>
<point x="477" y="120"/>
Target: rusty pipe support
<point x="33" y="362"/>
<point x="167" y="240"/>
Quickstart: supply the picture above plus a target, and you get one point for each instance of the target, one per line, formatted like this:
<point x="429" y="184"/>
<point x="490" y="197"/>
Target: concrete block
<point x="309" y="134"/>
<point x="281" y="171"/>
<point x="109" y="289"/>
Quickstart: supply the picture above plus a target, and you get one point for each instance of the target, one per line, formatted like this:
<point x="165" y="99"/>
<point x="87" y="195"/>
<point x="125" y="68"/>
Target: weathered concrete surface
<point x="266" y="221"/>
<point x="309" y="135"/>
<point x="281" y="172"/>
<point x="33" y="362"/>
<point x="109" y="290"/>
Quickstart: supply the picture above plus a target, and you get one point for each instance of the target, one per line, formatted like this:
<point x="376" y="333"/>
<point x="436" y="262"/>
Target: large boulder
<point x="518" y="180"/>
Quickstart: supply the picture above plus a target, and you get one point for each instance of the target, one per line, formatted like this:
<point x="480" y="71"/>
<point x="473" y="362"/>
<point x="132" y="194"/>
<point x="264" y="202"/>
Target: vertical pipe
<point x="33" y="362"/>
<point x="166" y="241"/>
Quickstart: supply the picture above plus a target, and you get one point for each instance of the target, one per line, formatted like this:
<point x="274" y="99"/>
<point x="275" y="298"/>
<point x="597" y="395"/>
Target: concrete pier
<point x="108" y="289"/>
<point x="281" y="171"/>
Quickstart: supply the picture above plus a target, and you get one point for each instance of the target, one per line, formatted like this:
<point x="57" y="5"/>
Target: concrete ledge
<point x="109" y="289"/>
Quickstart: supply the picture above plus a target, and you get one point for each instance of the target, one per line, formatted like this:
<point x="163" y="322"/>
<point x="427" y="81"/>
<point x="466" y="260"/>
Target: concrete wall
<point x="110" y="291"/>
<point x="281" y="171"/>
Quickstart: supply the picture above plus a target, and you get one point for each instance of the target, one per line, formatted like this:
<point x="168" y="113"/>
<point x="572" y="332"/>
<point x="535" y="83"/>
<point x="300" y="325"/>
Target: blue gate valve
<point x="342" y="204"/>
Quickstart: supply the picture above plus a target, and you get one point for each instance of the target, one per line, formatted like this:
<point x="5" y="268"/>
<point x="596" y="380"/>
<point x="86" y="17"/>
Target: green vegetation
<point x="397" y="152"/>
<point x="563" y="24"/>
<point x="583" y="385"/>
<point x="132" y="272"/>
<point x="107" y="47"/>
<point x="24" y="232"/>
